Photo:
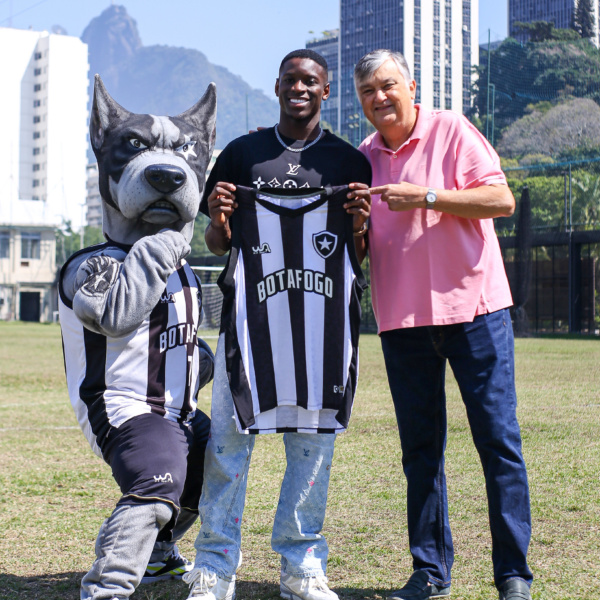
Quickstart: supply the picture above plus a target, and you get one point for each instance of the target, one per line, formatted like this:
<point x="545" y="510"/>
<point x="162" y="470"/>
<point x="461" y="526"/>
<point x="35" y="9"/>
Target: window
<point x="37" y="103"/>
<point x="4" y="244"/>
<point x="36" y="167"/>
<point x="36" y="135"/>
<point x="36" y="151"/>
<point x="36" y="183"/>
<point x="37" y="72"/>
<point x="37" y="55"/>
<point x="37" y="87"/>
<point x="30" y="245"/>
<point x="37" y="119"/>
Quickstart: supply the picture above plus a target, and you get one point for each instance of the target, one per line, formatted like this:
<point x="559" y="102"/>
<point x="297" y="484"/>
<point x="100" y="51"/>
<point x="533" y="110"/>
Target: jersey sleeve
<point x="357" y="168"/>
<point x="363" y="172"/>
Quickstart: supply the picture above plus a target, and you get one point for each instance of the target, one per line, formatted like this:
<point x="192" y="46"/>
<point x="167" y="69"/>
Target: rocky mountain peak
<point x="111" y="37"/>
<point x="166" y="80"/>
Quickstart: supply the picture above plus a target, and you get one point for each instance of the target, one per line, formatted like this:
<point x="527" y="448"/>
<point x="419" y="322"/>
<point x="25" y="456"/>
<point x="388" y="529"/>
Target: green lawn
<point x="56" y="492"/>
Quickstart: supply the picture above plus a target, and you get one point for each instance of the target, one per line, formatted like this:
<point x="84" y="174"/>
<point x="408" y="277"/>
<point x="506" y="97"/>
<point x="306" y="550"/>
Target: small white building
<point x="42" y="163"/>
<point x="93" y="201"/>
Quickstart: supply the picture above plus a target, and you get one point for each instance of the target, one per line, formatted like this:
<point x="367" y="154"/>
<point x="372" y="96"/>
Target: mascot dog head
<point x="151" y="169"/>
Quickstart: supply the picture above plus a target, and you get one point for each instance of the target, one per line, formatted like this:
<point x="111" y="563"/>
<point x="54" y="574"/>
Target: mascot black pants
<point x="158" y="465"/>
<point x="153" y="458"/>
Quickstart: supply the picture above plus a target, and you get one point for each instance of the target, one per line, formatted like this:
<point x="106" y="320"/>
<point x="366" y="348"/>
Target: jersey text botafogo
<point x="291" y="310"/>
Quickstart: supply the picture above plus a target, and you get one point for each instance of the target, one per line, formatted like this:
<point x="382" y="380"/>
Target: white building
<point x="93" y="201"/>
<point x="42" y="162"/>
<point x="439" y="39"/>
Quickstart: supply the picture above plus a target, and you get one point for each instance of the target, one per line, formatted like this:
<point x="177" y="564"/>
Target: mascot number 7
<point x="129" y="312"/>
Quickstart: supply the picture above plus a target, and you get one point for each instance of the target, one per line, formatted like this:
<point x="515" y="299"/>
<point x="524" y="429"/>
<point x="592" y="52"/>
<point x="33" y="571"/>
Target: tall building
<point x="559" y="12"/>
<point x="42" y="162"/>
<point x="328" y="46"/>
<point x="439" y="39"/>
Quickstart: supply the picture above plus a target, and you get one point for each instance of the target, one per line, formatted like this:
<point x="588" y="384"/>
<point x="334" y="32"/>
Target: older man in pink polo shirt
<point x="440" y="294"/>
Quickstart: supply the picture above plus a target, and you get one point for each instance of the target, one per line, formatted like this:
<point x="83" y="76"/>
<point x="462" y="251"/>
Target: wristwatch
<point x="430" y="198"/>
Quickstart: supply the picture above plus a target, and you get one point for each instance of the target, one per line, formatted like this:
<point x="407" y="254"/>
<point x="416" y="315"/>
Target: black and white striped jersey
<point x="153" y="369"/>
<point x="291" y="310"/>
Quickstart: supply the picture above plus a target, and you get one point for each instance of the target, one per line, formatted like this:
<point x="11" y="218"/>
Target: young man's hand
<point x="359" y="204"/>
<point x="221" y="204"/>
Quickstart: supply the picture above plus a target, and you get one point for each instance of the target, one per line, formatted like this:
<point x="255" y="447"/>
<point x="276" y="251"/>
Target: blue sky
<point x="248" y="38"/>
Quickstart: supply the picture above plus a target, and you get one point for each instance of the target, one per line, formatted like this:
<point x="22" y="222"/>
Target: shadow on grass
<point x="65" y="586"/>
<point x="257" y="590"/>
<point x="360" y="594"/>
<point x="54" y="586"/>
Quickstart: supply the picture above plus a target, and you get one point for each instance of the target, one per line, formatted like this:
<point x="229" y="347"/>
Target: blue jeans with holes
<point x="481" y="355"/>
<point x="302" y="499"/>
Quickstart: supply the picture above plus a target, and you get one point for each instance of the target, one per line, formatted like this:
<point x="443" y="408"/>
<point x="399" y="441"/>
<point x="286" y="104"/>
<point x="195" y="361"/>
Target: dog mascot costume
<point x="129" y="312"/>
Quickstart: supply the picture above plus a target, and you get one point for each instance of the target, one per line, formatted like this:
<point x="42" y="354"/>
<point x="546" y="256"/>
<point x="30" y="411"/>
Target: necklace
<point x="321" y="133"/>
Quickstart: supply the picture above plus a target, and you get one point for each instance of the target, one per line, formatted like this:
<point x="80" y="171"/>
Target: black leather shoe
<point x="418" y="587"/>
<point x="514" y="589"/>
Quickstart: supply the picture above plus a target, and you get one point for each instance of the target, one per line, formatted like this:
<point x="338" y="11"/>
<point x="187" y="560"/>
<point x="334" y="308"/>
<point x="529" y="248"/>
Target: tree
<point x="508" y="74"/>
<point x="526" y="74"/>
<point x="198" y="245"/>
<point x="583" y="19"/>
<point x="586" y="200"/>
<point x="542" y="31"/>
<point x="549" y="130"/>
<point x="69" y="241"/>
<point x="548" y="192"/>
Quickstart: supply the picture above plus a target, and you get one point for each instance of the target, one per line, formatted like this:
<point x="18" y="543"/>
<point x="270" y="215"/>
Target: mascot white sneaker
<point x="129" y="312"/>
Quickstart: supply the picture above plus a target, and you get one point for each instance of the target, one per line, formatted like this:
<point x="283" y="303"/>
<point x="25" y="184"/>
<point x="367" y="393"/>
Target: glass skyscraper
<point x="328" y="46"/>
<point x="437" y="37"/>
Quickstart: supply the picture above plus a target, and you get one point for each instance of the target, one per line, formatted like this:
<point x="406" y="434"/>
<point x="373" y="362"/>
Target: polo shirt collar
<point x="421" y="127"/>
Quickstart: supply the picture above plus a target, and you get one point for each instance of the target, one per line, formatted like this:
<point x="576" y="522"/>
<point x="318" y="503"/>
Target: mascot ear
<point x="203" y="116"/>
<point x="106" y="113"/>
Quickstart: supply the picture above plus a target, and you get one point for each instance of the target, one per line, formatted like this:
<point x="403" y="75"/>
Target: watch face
<point x="431" y="197"/>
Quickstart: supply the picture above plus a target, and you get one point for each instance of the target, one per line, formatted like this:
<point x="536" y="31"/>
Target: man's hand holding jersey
<point x="221" y="204"/>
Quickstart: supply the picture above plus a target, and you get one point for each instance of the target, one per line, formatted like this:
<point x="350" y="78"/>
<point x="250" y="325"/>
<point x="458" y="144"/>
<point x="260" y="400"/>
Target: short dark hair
<point x="306" y="53"/>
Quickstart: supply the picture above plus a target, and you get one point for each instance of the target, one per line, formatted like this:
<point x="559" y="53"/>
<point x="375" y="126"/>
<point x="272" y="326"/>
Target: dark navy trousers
<point x="481" y="355"/>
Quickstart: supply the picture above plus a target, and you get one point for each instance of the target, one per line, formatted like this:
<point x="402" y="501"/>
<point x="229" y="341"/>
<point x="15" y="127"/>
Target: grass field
<point x="55" y="492"/>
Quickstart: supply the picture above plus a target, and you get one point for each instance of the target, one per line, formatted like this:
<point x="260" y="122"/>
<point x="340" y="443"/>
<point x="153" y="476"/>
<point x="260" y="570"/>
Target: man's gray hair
<point x="370" y="62"/>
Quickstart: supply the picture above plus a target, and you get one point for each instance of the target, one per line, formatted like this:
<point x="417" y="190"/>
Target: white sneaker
<point x="305" y="588"/>
<point x="205" y="585"/>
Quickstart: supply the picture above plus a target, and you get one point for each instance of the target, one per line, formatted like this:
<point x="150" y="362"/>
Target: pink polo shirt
<point x="428" y="267"/>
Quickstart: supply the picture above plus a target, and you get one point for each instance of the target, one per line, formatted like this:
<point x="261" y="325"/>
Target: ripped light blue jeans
<point x="302" y="500"/>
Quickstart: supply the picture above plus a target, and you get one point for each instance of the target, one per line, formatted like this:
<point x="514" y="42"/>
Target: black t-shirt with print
<point x="258" y="160"/>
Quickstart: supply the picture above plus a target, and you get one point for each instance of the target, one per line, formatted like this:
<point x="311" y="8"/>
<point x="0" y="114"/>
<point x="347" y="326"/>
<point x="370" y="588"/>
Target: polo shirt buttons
<point x="394" y="156"/>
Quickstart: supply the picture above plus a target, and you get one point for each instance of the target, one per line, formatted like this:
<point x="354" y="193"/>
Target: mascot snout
<point x="165" y="178"/>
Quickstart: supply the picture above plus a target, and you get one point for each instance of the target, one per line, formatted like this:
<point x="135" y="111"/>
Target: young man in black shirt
<point x="295" y="153"/>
